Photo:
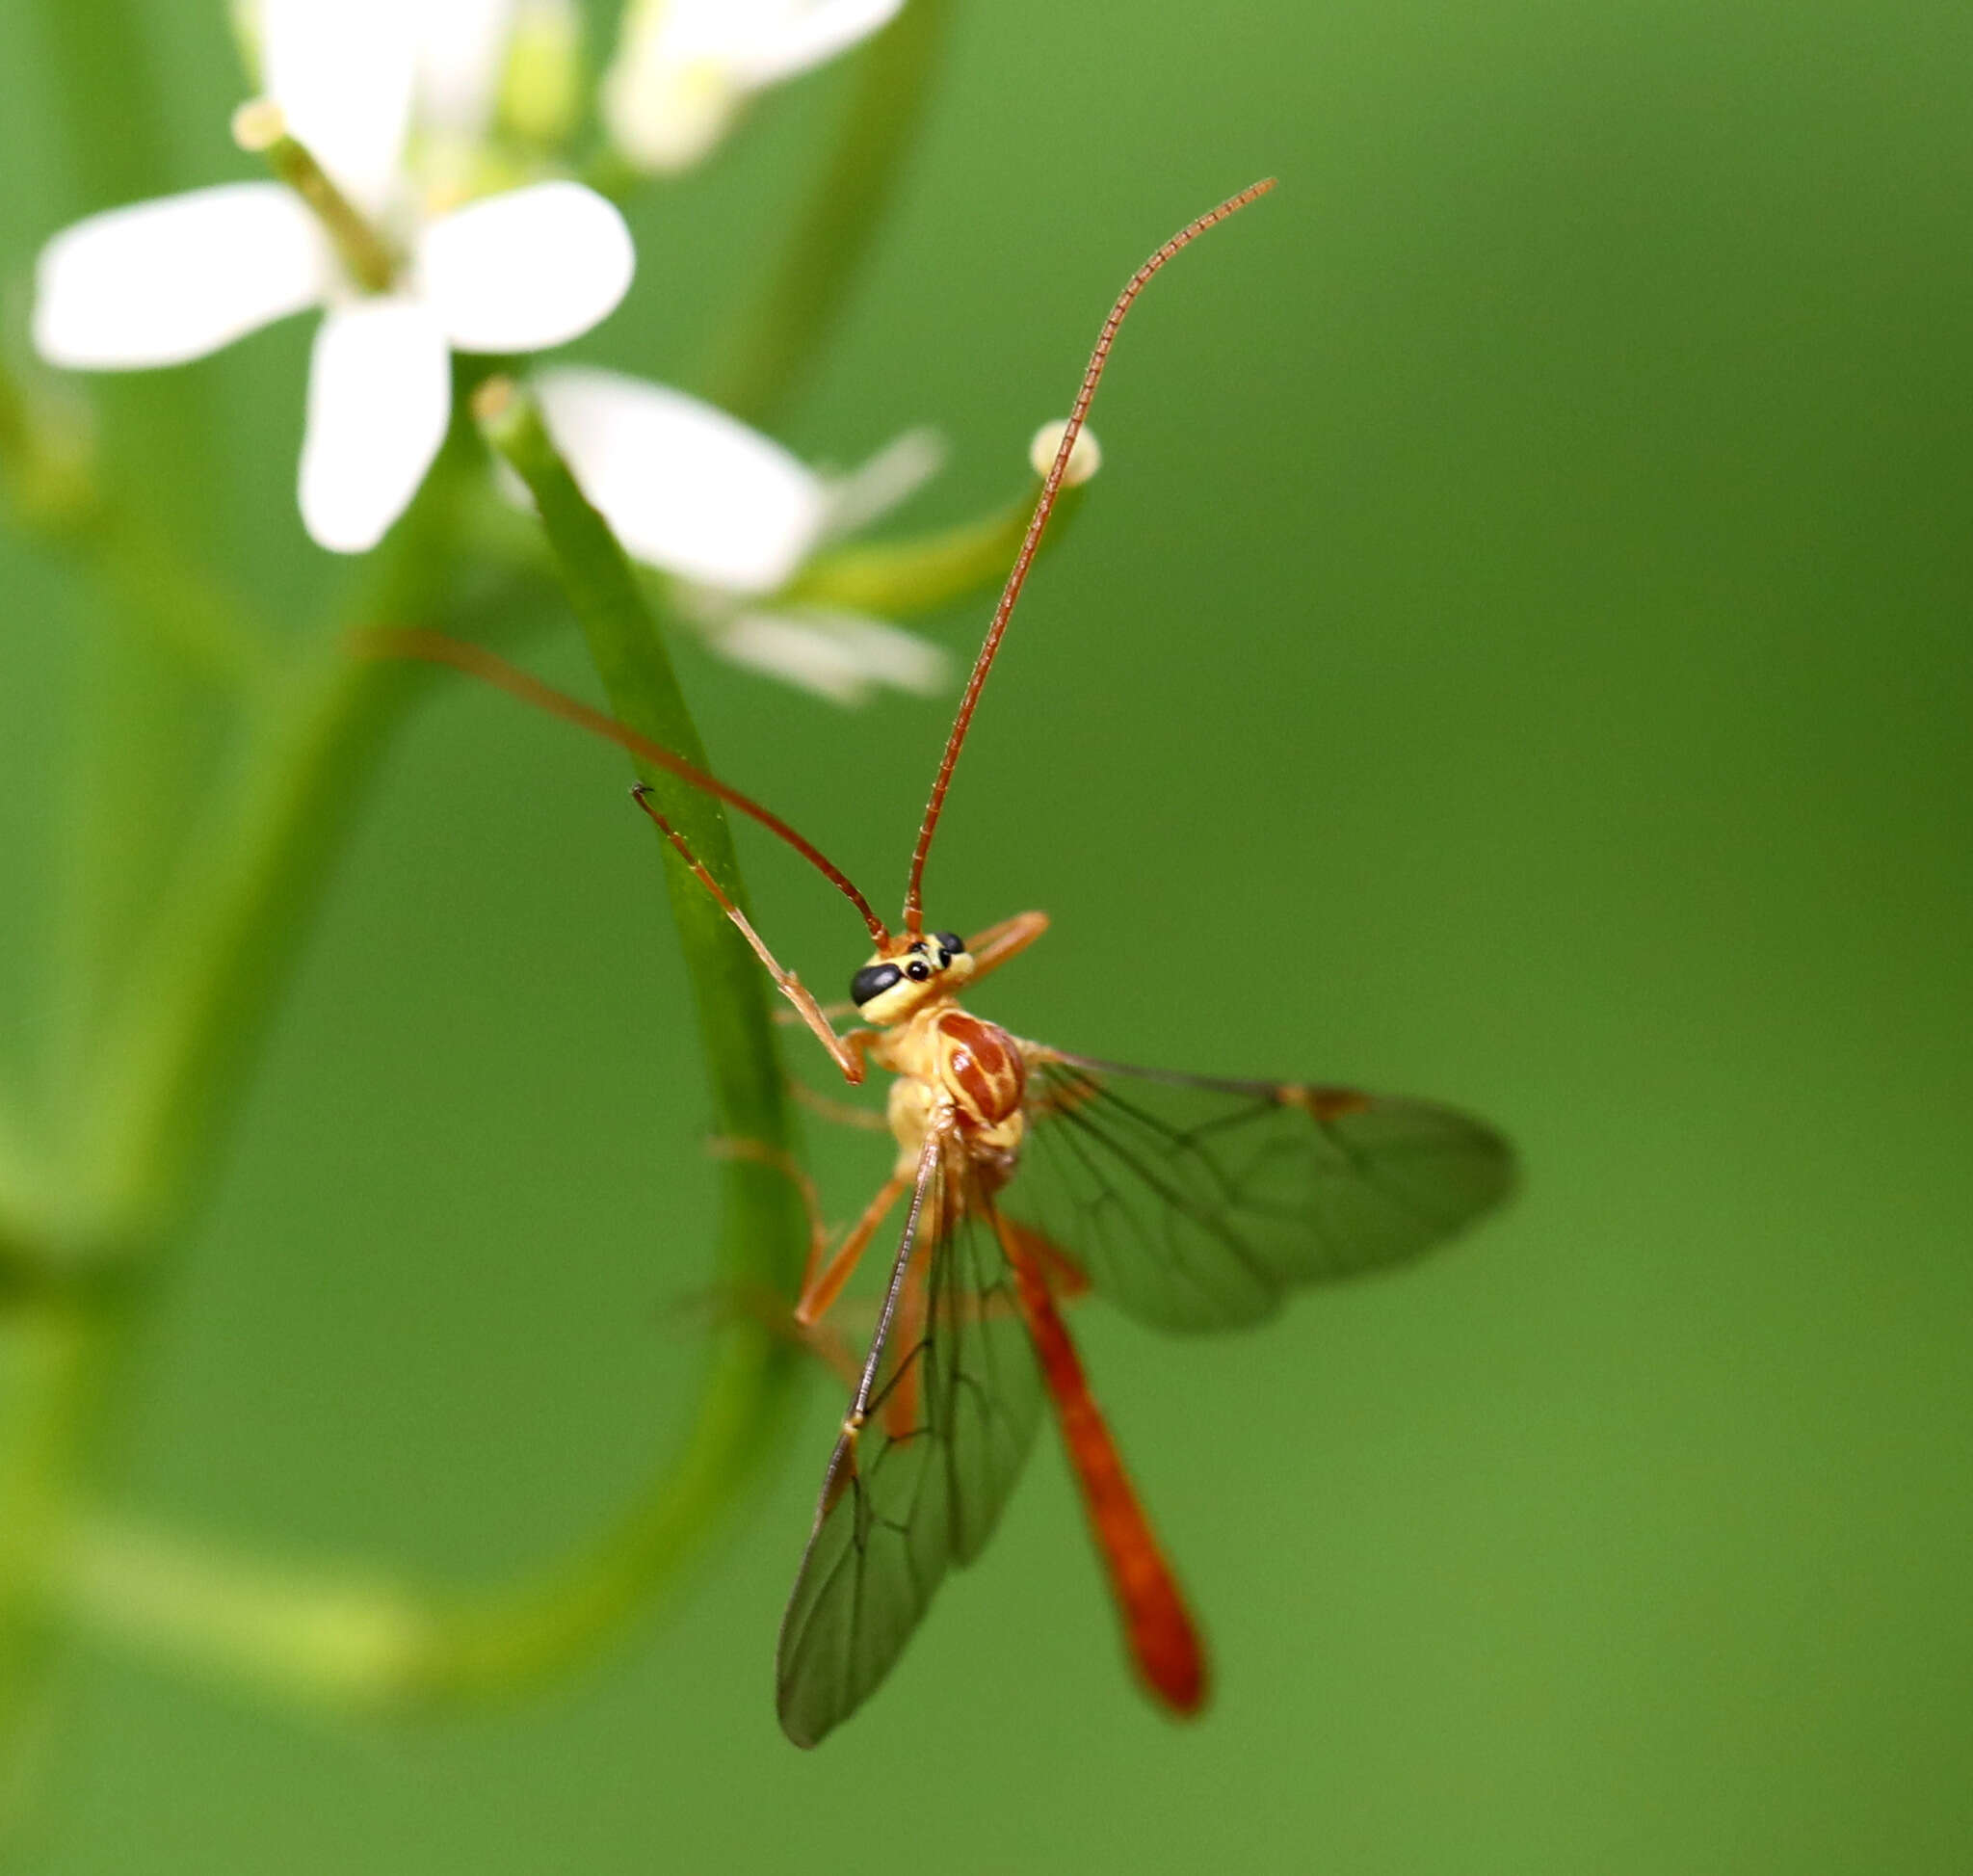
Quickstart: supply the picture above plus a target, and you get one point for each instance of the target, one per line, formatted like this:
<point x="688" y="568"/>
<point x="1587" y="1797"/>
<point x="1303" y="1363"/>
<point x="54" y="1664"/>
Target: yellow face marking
<point x="911" y="974"/>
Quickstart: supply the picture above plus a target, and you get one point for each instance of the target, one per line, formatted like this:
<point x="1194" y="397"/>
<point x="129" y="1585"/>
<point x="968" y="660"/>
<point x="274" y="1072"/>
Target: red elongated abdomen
<point x="1158" y="1628"/>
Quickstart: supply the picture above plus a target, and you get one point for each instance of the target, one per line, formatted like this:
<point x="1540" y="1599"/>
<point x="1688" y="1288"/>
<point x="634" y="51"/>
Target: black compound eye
<point x="952" y="941"/>
<point x="917" y="970"/>
<point x="873" y="980"/>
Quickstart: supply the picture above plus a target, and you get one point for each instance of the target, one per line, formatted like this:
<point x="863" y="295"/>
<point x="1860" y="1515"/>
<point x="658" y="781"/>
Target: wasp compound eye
<point x="952" y="941"/>
<point x="917" y="970"/>
<point x="873" y="980"/>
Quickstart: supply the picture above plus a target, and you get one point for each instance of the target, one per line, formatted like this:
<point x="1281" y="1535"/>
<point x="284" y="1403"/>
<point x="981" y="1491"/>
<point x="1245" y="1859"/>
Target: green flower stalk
<point x="226" y="760"/>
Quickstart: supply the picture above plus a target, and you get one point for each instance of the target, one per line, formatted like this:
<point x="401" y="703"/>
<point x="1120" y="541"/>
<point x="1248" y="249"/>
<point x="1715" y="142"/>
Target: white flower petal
<point x="379" y="394"/>
<point x="837" y="655"/>
<point x="686" y="487"/>
<point x="343" y="72"/>
<point x="529" y="268"/>
<point x="163" y="281"/>
<point x="803" y="37"/>
<point x="759" y="41"/>
<point x="684" y="66"/>
<point x="884" y="652"/>
<point x="697" y="29"/>
<point x="797" y="654"/>
<point x="461" y="47"/>
<point x="663" y="113"/>
<point x="894" y="475"/>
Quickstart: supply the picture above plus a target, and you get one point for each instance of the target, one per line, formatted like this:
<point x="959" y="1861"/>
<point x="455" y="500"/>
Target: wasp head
<point x="908" y="974"/>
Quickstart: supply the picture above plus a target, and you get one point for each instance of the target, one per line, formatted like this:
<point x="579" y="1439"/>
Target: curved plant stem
<point x="136" y="779"/>
<point x="635" y="671"/>
<point x="160" y="1081"/>
<point x="355" y="1642"/>
<point x="342" y="1640"/>
<point x="769" y="352"/>
<point x="199" y="990"/>
<point x="203" y="986"/>
<point x="214" y="953"/>
<point x="200" y="623"/>
<point x="923" y="573"/>
<point x="199" y="864"/>
<point x="500" y="1640"/>
<point x="504" y="1637"/>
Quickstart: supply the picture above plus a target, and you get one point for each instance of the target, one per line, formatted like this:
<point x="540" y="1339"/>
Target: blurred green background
<point x="1517" y="652"/>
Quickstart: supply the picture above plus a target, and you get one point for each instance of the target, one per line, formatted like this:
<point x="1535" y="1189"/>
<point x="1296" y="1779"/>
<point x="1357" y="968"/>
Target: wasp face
<point x="889" y="988"/>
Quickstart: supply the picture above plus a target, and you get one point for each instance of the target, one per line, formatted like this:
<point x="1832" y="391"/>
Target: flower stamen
<point x="261" y="130"/>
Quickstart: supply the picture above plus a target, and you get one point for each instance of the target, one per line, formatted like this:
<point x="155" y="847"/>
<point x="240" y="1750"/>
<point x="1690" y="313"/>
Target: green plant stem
<point x="362" y="1644"/>
<point x="145" y="733"/>
<point x="187" y="1002"/>
<point x="352" y="1641"/>
<point x="769" y="353"/>
<point x="47" y="1348"/>
<point x="137" y="776"/>
<point x="629" y="654"/>
<point x="501" y="1641"/>
<point x="123" y="1180"/>
<point x="47" y="468"/>
<point x="902" y="578"/>
<point x="44" y="457"/>
<point x="198" y="994"/>
<point x="207" y="979"/>
<point x="18" y="1179"/>
<point x="96" y="57"/>
<point x="898" y="579"/>
<point x="216" y="951"/>
<point x="123" y="1188"/>
<point x="345" y="1641"/>
<point x="190" y="616"/>
<point x="504" y="1637"/>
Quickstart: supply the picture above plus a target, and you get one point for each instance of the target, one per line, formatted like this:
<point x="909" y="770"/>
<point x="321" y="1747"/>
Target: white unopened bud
<point x="1085" y="458"/>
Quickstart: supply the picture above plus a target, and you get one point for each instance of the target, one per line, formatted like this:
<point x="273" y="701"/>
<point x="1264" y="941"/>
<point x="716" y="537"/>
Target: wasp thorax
<point x="913" y="971"/>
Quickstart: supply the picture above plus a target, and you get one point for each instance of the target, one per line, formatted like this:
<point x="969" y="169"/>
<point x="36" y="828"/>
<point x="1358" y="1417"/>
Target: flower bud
<point x="1083" y="459"/>
<point x="541" y="90"/>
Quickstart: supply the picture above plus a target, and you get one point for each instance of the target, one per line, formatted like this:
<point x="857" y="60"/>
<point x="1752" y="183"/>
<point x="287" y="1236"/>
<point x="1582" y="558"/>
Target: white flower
<point x="683" y="67"/>
<point x="732" y="516"/>
<point x="163" y="281"/>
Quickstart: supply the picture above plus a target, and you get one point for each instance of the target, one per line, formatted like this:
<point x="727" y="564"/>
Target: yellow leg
<point x="820" y="1290"/>
<point x="846" y="1051"/>
<point x="837" y="1113"/>
<point x="998" y="944"/>
<point x="783" y="1162"/>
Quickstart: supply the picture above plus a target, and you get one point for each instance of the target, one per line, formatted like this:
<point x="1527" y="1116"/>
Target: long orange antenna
<point x="434" y="647"/>
<point x="914" y="914"/>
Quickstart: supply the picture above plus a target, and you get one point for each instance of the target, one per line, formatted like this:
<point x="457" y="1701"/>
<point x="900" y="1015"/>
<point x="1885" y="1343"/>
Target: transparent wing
<point x="949" y="1398"/>
<point x="1195" y="1202"/>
